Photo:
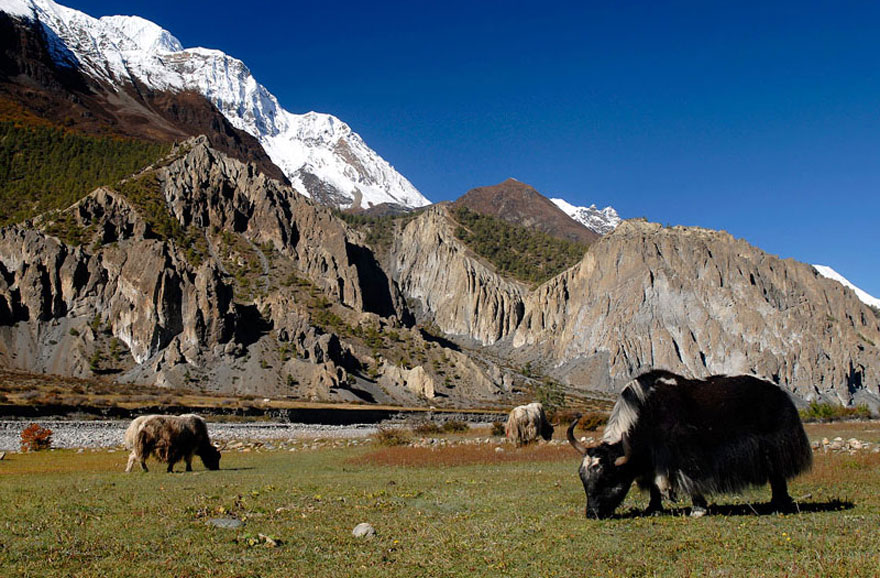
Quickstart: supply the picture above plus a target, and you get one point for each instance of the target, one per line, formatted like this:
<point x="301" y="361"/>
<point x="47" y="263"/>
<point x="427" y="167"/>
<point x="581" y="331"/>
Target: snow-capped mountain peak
<point x="601" y="221"/>
<point x="147" y="35"/>
<point x="19" y="8"/>
<point x="863" y="296"/>
<point x="319" y="153"/>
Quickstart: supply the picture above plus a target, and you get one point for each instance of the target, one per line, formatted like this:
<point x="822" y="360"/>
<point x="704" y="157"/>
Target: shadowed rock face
<point x="690" y="300"/>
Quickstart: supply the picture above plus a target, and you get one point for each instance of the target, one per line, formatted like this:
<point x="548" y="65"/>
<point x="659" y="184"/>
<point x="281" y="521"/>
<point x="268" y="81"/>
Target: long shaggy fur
<point x="696" y="437"/>
<point x="526" y="423"/>
<point x="171" y="439"/>
<point x="716" y="436"/>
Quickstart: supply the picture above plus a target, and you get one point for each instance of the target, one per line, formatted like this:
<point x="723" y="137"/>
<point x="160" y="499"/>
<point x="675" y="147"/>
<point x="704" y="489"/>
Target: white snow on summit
<point x="863" y="296"/>
<point x="601" y="222"/>
<point x="317" y="152"/>
<point x="17" y="8"/>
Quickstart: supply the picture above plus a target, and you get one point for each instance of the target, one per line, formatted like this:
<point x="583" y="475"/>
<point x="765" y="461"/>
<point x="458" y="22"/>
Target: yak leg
<point x="188" y="459"/>
<point x="700" y="507"/>
<point x="780" y="501"/>
<point x="173" y="458"/>
<point x="132" y="458"/>
<point x="656" y="503"/>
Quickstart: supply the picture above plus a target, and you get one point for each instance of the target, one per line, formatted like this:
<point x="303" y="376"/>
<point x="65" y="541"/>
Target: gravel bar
<point x="108" y="434"/>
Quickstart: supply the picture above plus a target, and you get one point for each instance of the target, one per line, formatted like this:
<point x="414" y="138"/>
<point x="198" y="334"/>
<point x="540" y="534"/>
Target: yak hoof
<point x="783" y="506"/>
<point x="698" y="512"/>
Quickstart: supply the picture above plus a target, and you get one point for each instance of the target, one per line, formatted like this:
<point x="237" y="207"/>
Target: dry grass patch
<point x="463" y="455"/>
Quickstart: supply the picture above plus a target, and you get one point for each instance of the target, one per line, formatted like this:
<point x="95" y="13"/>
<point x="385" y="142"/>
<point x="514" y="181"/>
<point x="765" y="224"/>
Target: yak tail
<point x="581" y="448"/>
<point x="143" y="444"/>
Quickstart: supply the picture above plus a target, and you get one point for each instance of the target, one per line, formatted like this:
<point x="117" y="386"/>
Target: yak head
<point x="210" y="457"/>
<point x="547" y="430"/>
<point x="605" y="474"/>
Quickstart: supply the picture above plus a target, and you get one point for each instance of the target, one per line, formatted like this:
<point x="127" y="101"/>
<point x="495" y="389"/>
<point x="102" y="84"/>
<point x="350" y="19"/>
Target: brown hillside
<point x="521" y="204"/>
<point x="63" y="96"/>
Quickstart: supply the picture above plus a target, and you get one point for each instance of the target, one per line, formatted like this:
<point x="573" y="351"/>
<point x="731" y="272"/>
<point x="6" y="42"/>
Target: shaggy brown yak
<point x="526" y="423"/>
<point x="171" y="438"/>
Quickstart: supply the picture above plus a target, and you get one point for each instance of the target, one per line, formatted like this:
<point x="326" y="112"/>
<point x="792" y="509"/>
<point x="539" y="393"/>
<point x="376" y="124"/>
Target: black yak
<point x="171" y="438"/>
<point x="676" y="436"/>
<point x="526" y="423"/>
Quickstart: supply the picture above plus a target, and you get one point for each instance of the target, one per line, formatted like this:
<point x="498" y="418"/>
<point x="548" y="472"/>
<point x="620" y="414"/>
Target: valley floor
<point x="455" y="508"/>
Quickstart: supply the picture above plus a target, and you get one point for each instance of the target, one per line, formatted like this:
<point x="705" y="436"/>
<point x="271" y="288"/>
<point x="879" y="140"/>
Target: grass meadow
<point x="456" y="511"/>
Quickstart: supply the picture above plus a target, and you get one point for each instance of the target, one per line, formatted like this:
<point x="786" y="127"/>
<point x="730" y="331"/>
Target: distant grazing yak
<point x="526" y="422"/>
<point x="170" y="438"/>
<point x="675" y="436"/>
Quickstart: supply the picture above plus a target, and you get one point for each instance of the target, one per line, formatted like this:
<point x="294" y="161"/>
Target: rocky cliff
<point x="459" y="292"/>
<point x="686" y="299"/>
<point x="203" y="273"/>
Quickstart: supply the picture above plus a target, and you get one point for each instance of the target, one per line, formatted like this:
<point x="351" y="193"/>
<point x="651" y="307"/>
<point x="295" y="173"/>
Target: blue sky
<point x="762" y="119"/>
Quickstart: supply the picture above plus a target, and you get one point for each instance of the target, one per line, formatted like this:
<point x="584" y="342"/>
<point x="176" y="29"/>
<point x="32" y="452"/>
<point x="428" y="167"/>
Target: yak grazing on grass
<point x="526" y="422"/>
<point x="171" y="438"/>
<point x="675" y="436"/>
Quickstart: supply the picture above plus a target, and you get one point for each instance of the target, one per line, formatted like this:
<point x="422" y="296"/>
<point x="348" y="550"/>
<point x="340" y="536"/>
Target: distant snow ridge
<point x="863" y="296"/>
<point x="319" y="153"/>
<point x="601" y="222"/>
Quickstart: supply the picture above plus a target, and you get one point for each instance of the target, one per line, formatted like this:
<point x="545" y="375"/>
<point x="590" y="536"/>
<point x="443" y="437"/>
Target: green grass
<point x="68" y="514"/>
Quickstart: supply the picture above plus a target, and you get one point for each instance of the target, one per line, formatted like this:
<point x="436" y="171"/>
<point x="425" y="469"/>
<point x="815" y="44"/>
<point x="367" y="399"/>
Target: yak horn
<point x="581" y="448"/>
<point x="621" y="461"/>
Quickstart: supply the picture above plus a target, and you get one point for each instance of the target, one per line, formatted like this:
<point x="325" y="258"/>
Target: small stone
<point x="499" y="450"/>
<point x="227" y="523"/>
<point x="363" y="530"/>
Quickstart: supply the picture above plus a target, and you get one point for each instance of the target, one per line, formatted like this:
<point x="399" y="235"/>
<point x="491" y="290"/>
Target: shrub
<point x="498" y="429"/>
<point x="549" y="394"/>
<point x="35" y="437"/>
<point x="592" y="421"/>
<point x="392" y="437"/>
<point x="455" y="426"/>
<point x="426" y="428"/>
<point x="589" y="421"/>
<point x="824" y="412"/>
